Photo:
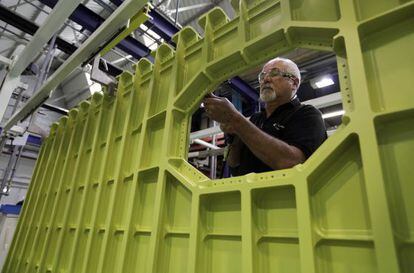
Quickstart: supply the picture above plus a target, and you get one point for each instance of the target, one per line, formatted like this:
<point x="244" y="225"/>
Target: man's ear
<point x="295" y="82"/>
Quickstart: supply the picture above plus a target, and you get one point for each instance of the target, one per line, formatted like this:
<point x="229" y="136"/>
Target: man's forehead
<point x="274" y="64"/>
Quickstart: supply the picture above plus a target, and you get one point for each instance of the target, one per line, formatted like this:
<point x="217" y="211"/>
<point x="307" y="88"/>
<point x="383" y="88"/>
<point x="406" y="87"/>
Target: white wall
<point x="21" y="179"/>
<point x="8" y="225"/>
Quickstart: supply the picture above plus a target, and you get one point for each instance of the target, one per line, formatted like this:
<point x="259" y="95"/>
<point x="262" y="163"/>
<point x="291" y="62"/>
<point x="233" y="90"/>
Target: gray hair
<point x="291" y="67"/>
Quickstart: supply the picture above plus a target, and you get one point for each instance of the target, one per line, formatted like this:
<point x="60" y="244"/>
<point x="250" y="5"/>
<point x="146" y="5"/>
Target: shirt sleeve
<point x="305" y="130"/>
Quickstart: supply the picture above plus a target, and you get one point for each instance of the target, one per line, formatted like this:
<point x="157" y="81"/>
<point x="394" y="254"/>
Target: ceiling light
<point x="321" y="82"/>
<point x="333" y="114"/>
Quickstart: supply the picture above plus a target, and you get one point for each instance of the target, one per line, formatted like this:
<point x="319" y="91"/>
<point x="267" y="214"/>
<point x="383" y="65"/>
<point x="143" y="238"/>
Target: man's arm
<point x="276" y="153"/>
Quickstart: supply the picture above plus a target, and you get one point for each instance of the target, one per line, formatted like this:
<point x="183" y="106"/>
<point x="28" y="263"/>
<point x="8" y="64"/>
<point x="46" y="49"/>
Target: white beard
<point x="267" y="95"/>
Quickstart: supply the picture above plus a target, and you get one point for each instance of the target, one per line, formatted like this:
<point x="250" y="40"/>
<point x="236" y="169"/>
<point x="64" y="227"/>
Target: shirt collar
<point x="292" y="103"/>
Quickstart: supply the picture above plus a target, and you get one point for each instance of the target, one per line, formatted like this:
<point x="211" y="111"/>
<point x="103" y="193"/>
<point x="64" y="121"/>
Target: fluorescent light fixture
<point x="320" y="82"/>
<point x="324" y="82"/>
<point x="333" y="114"/>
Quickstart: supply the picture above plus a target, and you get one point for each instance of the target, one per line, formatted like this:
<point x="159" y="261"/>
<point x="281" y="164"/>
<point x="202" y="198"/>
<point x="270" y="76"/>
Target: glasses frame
<point x="274" y="72"/>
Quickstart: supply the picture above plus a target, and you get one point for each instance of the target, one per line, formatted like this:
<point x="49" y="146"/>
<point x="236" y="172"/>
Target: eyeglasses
<point x="274" y="73"/>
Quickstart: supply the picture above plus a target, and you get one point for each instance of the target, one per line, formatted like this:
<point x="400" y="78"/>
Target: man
<point x="285" y="134"/>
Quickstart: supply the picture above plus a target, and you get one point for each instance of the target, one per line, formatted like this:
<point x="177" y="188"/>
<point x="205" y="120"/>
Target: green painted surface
<point x="112" y="191"/>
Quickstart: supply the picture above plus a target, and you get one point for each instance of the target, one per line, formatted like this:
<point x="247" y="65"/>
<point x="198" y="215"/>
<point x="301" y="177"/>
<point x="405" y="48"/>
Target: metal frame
<point x="95" y="206"/>
<point x="51" y="25"/>
<point x="106" y="30"/>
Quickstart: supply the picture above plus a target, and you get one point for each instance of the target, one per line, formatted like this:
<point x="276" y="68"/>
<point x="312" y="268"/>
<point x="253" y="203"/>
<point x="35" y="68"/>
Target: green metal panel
<point x="112" y="191"/>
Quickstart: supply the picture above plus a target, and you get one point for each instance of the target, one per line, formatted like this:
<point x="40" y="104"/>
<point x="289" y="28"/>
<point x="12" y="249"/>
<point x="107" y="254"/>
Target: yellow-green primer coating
<point x="112" y="191"/>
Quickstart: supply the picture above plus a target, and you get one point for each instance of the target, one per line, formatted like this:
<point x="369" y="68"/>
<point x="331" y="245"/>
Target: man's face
<point x="273" y="86"/>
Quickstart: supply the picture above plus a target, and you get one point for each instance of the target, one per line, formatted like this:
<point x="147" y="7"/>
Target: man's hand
<point x="220" y="109"/>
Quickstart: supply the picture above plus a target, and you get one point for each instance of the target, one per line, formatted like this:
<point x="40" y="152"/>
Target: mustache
<point x="266" y="86"/>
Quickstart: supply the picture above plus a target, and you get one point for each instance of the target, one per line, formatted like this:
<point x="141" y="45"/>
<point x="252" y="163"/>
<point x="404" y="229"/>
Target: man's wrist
<point x="237" y="122"/>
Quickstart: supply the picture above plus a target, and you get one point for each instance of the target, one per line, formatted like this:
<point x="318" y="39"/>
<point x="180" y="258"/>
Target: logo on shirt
<point x="278" y="126"/>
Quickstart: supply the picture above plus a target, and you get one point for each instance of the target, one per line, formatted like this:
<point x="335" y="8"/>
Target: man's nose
<point x="266" y="78"/>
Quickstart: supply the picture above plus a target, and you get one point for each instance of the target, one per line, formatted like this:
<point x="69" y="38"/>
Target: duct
<point x="107" y="29"/>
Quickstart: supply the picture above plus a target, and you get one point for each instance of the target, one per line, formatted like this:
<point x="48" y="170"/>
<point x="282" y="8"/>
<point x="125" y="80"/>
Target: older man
<point x="283" y="135"/>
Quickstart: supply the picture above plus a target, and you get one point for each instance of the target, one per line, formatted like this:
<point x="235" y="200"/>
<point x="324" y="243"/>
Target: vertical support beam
<point x="42" y="76"/>
<point x="7" y="172"/>
<point x="248" y="242"/>
<point x="382" y="229"/>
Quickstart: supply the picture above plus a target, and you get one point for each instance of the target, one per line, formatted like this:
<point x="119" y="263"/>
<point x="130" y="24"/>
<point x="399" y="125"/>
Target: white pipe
<point x="4" y="60"/>
<point x="206" y="144"/>
<point x="333" y="114"/>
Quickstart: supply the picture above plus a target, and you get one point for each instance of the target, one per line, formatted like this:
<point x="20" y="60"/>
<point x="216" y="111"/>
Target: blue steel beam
<point x="244" y="89"/>
<point x="30" y="28"/>
<point x="167" y="29"/>
<point x="161" y="26"/>
<point x="91" y="21"/>
<point x="158" y="23"/>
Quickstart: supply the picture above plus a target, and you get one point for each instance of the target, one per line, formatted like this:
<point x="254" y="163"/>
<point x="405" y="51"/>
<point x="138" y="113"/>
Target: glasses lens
<point x="275" y="72"/>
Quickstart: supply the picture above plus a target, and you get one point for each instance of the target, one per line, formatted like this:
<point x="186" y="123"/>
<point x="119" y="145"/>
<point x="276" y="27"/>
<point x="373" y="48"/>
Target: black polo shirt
<point x="296" y="124"/>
